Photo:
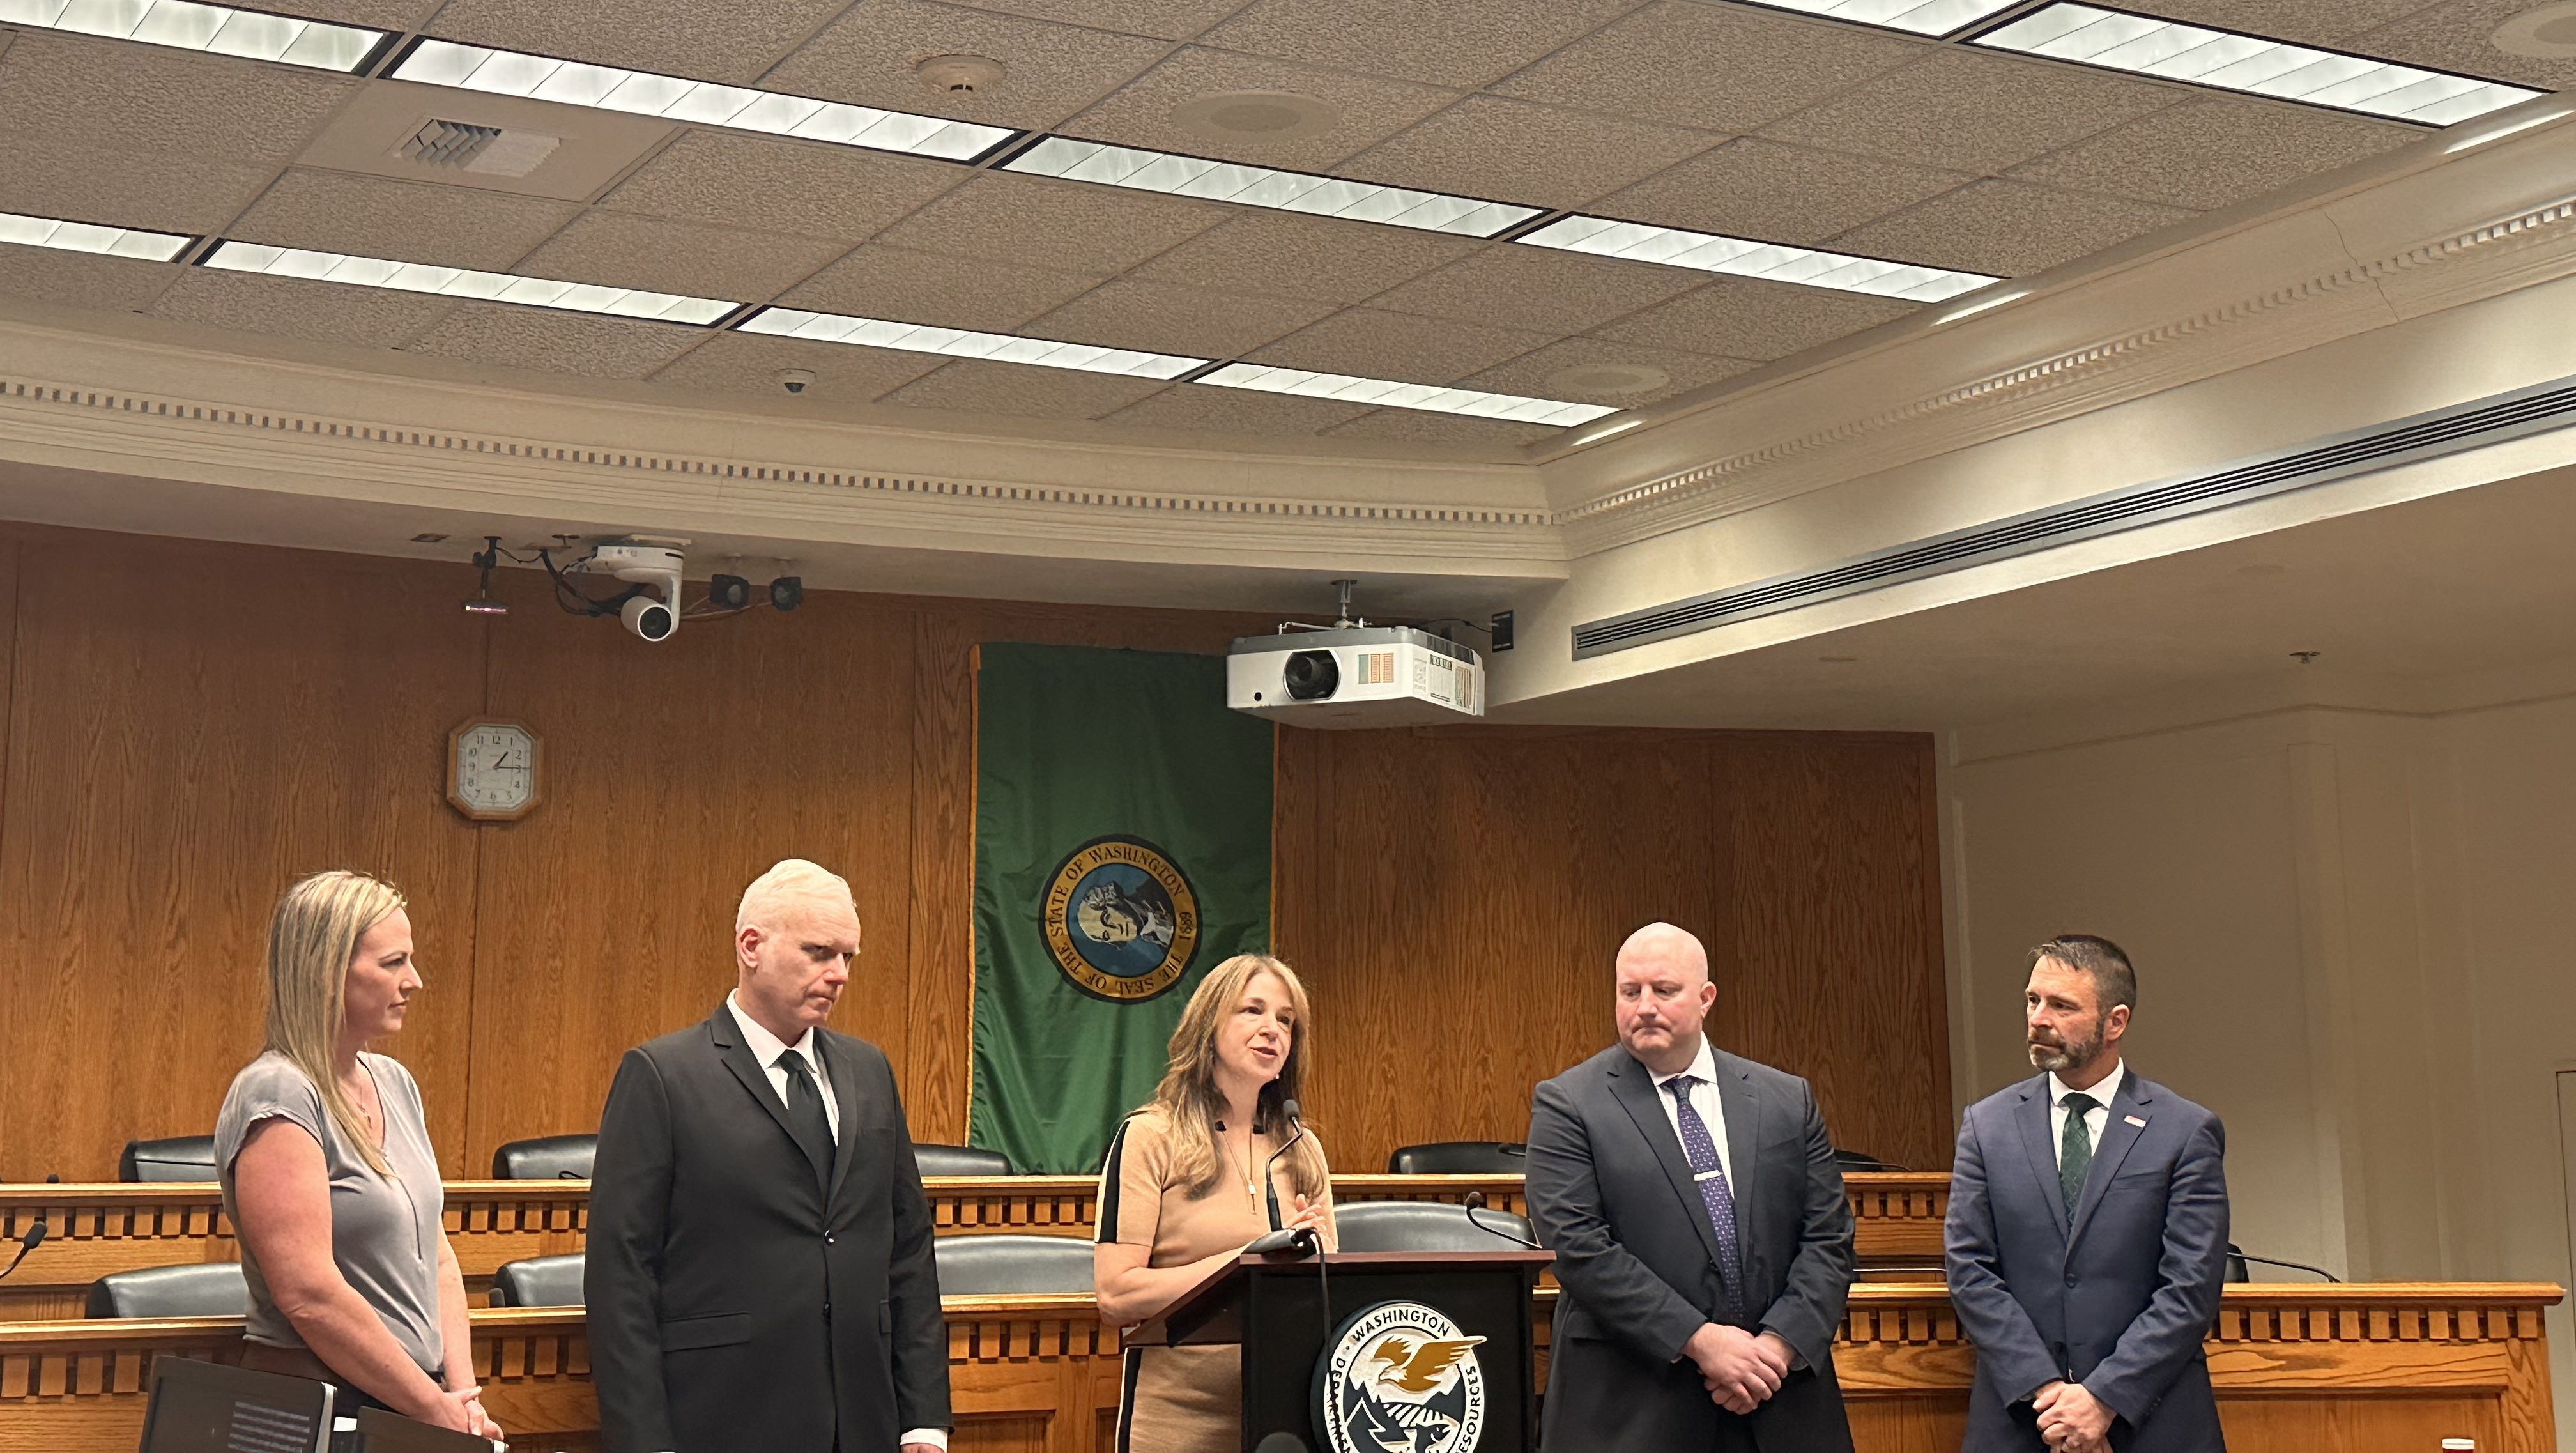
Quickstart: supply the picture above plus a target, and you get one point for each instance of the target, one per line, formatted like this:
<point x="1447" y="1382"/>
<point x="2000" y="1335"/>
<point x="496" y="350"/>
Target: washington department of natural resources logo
<point x="1400" y="1378"/>
<point x="1120" y="920"/>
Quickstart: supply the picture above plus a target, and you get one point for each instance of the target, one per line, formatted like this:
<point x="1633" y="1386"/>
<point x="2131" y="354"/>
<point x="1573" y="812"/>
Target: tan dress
<point x="1184" y="1399"/>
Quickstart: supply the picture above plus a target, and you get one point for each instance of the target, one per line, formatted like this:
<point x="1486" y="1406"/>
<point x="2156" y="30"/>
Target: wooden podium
<point x="1391" y="1365"/>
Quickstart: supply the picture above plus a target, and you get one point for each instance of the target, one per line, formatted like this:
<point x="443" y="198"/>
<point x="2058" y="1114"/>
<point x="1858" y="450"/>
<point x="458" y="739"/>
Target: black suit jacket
<point x="733" y="1305"/>
<point x="1612" y="1195"/>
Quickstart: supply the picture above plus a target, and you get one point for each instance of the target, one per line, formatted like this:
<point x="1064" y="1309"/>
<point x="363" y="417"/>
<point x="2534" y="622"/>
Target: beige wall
<point x="2351" y="905"/>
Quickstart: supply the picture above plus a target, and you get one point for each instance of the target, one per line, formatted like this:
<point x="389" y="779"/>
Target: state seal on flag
<point x="1120" y="920"/>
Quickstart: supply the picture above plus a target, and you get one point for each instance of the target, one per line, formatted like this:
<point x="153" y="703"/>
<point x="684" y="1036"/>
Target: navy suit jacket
<point x="2120" y="1297"/>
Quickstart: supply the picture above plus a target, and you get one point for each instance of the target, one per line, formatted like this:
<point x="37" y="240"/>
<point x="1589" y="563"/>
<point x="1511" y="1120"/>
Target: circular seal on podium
<point x="1399" y="1375"/>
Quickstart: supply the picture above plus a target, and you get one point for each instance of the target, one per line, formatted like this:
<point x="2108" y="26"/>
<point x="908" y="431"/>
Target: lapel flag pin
<point x="2134" y="1120"/>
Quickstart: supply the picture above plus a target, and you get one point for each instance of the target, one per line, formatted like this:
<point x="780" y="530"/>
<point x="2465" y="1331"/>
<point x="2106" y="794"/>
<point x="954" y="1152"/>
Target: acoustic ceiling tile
<point x="291" y="307"/>
<point x="1461" y="43"/>
<point x="878" y="281"/>
<point x="1516" y="151"/>
<point x="733" y="42"/>
<point x="1574" y="369"/>
<point x="727" y="179"/>
<point x="2459" y="36"/>
<point x="1306" y="257"/>
<point x="2009" y="229"/>
<point x="1012" y="388"/>
<point x="375" y="14"/>
<point x="1236" y="411"/>
<point x="1051" y="224"/>
<point x="1539" y="289"/>
<point x="1365" y="110"/>
<point x="555" y="342"/>
<point x="1374" y="343"/>
<point x="622" y="250"/>
<point x="1774" y="192"/>
<point x="749" y="363"/>
<point x="126" y="97"/>
<point x="160" y="191"/>
<point x="1157" y="317"/>
<point x="2309" y="22"/>
<point x="406" y="221"/>
<point x="1051" y="71"/>
<point x="84" y="280"/>
<point x="1415" y="426"/>
<point x="1749" y="318"/>
<point x="1161" y="19"/>
<point x="2207" y="154"/>
<point x="1972" y="111"/>
<point x="1711" y="67"/>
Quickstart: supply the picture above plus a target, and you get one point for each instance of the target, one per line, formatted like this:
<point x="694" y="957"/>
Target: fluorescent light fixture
<point x="458" y="282"/>
<point x="2146" y="46"/>
<point x="1771" y="261"/>
<point x="1390" y="395"/>
<point x="1981" y="305"/>
<point x="1261" y="186"/>
<point x="2510" y="128"/>
<point x="965" y="343"/>
<point x="215" y="29"/>
<point x="701" y="103"/>
<point x="64" y="236"/>
<point x="1922" y="17"/>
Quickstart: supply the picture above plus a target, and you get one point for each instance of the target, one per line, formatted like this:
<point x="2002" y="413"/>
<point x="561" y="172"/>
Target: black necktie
<point x="805" y="1117"/>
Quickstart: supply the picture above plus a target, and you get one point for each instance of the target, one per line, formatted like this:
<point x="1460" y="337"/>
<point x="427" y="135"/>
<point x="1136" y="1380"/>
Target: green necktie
<point x="2075" y="1151"/>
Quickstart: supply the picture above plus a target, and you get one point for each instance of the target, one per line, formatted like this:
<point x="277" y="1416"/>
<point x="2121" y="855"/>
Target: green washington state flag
<point x="1122" y="849"/>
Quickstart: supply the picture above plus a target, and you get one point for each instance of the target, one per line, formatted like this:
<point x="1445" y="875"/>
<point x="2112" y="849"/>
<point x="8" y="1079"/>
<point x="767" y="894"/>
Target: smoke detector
<point x="959" y="75"/>
<point x="489" y="150"/>
<point x="1256" y="116"/>
<point x="1607" y="378"/>
<point x="2548" y="33"/>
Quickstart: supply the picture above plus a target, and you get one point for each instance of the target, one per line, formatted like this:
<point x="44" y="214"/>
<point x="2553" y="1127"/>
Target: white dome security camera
<point x="795" y="380"/>
<point x="648" y="618"/>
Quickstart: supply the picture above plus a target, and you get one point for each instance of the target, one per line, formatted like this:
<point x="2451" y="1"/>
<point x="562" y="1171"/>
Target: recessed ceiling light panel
<point x="965" y="343"/>
<point x="458" y="282"/>
<point x="2146" y="46"/>
<point x="1771" y="261"/>
<point x="1387" y="394"/>
<point x="89" y="237"/>
<point x="703" y="103"/>
<point x="214" y="29"/>
<point x="1922" y="17"/>
<point x="1261" y="186"/>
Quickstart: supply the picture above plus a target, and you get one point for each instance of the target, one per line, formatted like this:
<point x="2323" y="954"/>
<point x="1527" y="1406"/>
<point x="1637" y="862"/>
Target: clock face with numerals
<point x="492" y="770"/>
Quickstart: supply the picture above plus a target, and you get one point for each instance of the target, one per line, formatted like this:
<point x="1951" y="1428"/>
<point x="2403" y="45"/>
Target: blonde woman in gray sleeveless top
<point x="328" y="1175"/>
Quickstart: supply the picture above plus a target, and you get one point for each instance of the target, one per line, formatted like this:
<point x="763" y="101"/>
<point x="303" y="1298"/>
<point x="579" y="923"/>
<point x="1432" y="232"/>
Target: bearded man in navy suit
<point x="2087" y="1239"/>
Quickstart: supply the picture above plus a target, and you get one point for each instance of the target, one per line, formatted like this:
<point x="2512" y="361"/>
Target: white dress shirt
<point x="2096" y="1120"/>
<point x="766" y="1048"/>
<point x="1704" y="1099"/>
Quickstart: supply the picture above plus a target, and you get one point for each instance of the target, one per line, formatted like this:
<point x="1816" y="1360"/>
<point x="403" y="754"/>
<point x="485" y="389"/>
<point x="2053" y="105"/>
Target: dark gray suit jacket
<point x="1612" y="1195"/>
<point x="2120" y="1298"/>
<point x="732" y="1304"/>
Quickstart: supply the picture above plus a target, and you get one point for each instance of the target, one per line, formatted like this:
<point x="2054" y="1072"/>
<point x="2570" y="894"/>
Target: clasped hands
<point x="2071" y="1419"/>
<point x="1740" y="1369"/>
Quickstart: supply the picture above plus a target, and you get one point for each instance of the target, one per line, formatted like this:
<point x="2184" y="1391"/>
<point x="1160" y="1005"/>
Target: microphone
<point x="2292" y="1265"/>
<point x="1473" y="1202"/>
<point x="1299" y="1239"/>
<point x="1281" y="1443"/>
<point x="34" y="1238"/>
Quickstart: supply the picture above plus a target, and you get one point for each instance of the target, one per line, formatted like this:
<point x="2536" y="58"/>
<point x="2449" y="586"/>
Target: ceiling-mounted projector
<point x="1353" y="674"/>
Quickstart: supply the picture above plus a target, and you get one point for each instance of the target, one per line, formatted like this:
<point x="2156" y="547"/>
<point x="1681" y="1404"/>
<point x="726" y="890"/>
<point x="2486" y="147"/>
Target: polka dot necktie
<point x="2075" y="1151"/>
<point x="1700" y="1149"/>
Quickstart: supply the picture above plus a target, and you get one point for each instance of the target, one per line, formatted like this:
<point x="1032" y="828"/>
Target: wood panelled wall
<point x="190" y="725"/>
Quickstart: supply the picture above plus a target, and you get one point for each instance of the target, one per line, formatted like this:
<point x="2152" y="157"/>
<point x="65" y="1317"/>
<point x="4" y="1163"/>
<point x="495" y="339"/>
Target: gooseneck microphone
<point x="2292" y="1265"/>
<point x="34" y="1237"/>
<point x="1299" y="1239"/>
<point x="1473" y="1202"/>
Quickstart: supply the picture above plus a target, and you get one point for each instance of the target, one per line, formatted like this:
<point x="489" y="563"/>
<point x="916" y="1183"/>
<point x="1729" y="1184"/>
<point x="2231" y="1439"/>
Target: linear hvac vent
<point x="464" y="146"/>
<point x="2424" y="436"/>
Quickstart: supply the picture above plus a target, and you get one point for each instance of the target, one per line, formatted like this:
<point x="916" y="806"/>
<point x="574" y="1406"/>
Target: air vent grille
<point x="2488" y="421"/>
<point x="490" y="150"/>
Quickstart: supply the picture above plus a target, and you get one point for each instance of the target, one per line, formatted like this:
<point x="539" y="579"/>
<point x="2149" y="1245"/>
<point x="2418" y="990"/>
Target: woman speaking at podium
<point x="328" y="1175"/>
<point x="1211" y="1164"/>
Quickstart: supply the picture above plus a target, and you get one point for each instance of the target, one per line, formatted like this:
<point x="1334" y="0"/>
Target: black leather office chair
<point x="539" y="1281"/>
<point x="192" y="1289"/>
<point x="545" y="1158"/>
<point x="180" y="1158"/>
<point x="1425" y="1226"/>
<point x="2237" y="1270"/>
<point x="995" y="1266"/>
<point x="961" y="1160"/>
<point x="1460" y="1158"/>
